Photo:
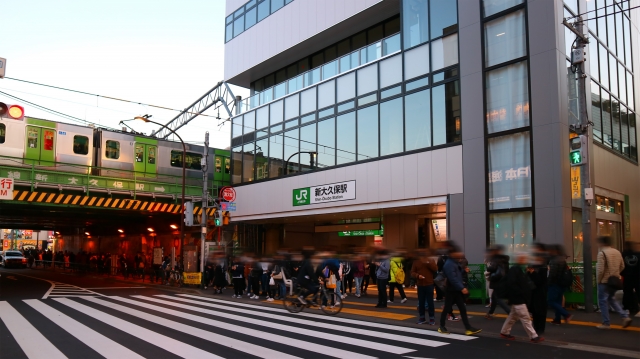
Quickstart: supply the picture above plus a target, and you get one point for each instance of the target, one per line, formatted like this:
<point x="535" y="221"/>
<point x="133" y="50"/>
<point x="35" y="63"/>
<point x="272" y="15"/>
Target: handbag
<point x="614" y="283"/>
<point x="271" y="281"/>
<point x="278" y="273"/>
<point x="441" y="281"/>
<point x="331" y="282"/>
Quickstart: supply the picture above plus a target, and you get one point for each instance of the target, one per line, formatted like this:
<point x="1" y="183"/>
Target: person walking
<point x="382" y="277"/>
<point x="557" y="284"/>
<point x="396" y="279"/>
<point x="357" y="267"/>
<point x="518" y="294"/>
<point x="631" y="276"/>
<point x="455" y="292"/>
<point x="237" y="276"/>
<point x="608" y="268"/>
<point x="498" y="267"/>
<point x="423" y="270"/>
<point x="538" y="275"/>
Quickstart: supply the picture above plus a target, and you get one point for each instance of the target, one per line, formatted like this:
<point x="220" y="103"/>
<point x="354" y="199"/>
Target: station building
<point x="409" y="122"/>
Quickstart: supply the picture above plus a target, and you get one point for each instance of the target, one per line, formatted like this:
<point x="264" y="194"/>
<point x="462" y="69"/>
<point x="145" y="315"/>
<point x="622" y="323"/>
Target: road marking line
<point x="171" y="345"/>
<point x="338" y="328"/>
<point x="236" y="344"/>
<point x="96" y="341"/>
<point x="341" y="320"/>
<point x="115" y="288"/>
<point x="27" y="335"/>
<point x="263" y="334"/>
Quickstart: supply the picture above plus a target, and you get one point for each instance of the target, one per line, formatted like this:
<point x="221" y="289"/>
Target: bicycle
<point x="333" y="304"/>
<point x="175" y="278"/>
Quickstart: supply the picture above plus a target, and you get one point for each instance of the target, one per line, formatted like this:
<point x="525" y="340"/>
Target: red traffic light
<point x="15" y="112"/>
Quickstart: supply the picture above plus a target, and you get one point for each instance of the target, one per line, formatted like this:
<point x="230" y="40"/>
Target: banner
<point x="192" y="278"/>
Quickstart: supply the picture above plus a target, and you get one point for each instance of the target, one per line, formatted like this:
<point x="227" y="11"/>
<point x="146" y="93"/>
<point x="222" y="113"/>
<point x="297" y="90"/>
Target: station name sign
<point x="334" y="192"/>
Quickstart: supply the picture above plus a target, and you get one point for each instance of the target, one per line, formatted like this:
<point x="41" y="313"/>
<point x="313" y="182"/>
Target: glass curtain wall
<point x="610" y="52"/>
<point x="401" y="103"/>
<point x="510" y="217"/>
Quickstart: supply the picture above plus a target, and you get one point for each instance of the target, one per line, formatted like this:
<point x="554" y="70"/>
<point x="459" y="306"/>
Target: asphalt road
<point x="87" y="317"/>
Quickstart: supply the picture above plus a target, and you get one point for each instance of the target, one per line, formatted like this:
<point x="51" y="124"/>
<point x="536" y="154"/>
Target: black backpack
<point x="566" y="277"/>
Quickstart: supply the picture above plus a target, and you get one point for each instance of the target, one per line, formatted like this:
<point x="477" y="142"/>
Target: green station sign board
<point x="368" y="232"/>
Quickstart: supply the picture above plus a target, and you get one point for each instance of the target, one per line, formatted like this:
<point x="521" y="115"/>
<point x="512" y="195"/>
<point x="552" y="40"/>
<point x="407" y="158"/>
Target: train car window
<point x="227" y="165"/>
<point x="152" y="155"/>
<point x="192" y="160"/>
<point x="3" y="131"/>
<point x="80" y="145"/>
<point x="218" y="165"/>
<point x="112" y="150"/>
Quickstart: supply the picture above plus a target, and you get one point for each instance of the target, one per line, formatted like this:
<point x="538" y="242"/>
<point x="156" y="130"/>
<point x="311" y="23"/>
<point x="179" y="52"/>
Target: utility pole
<point x="578" y="59"/>
<point x="205" y="200"/>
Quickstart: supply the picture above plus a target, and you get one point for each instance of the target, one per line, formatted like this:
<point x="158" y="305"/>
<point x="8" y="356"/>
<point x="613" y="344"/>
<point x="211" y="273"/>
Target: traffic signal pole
<point x="205" y="201"/>
<point x="582" y="128"/>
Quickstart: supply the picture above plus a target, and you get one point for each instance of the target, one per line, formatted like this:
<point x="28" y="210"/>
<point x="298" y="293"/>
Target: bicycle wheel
<point x="292" y="304"/>
<point x="334" y="304"/>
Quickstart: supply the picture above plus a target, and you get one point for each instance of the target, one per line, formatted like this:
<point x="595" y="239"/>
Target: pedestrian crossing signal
<point x="578" y="151"/>
<point x="217" y="218"/>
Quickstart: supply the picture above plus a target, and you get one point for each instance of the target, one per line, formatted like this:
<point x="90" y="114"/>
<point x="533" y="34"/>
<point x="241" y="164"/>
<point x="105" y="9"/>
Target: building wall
<point x="420" y="178"/>
<point x="294" y="23"/>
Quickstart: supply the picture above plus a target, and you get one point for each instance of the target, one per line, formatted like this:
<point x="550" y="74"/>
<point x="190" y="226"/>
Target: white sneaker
<point x="389" y="301"/>
<point x="269" y="299"/>
<point x="337" y="303"/>
<point x="249" y="295"/>
<point x="344" y="296"/>
<point x="604" y="326"/>
<point x="404" y="300"/>
<point x="233" y="296"/>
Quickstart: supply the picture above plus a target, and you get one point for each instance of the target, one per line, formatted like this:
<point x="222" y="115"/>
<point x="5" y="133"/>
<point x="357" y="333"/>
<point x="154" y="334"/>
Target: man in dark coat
<point x="518" y="293"/>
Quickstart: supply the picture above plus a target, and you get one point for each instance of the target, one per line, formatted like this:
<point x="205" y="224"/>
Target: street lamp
<point x="145" y="118"/>
<point x="312" y="155"/>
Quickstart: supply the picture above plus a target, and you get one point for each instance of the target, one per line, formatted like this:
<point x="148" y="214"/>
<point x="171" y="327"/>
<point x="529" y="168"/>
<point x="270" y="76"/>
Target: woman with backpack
<point x="396" y="279"/>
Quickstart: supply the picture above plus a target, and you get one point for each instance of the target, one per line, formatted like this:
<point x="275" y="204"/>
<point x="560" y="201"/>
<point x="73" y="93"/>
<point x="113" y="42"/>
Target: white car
<point x="12" y="258"/>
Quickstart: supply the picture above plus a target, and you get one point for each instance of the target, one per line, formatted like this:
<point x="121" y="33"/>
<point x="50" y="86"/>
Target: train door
<point x="40" y="146"/>
<point x="146" y="156"/>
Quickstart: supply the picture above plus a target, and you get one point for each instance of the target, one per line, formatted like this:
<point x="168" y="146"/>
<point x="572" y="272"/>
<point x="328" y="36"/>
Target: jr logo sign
<point x="301" y="196"/>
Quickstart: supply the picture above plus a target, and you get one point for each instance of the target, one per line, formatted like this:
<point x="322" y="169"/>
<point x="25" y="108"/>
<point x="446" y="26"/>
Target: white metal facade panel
<point x="399" y="181"/>
<point x="267" y="38"/>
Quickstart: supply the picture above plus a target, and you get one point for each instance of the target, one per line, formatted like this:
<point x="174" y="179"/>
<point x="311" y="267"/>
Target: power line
<point x="107" y="97"/>
<point x="613" y="13"/>
<point x="69" y="117"/>
<point x="602" y="8"/>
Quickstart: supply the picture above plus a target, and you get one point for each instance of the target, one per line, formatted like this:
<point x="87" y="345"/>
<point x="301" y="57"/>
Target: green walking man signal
<point x="578" y="151"/>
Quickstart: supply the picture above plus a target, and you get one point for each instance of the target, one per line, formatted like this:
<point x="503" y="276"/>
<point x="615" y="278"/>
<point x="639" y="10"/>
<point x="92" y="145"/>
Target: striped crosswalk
<point x="189" y="326"/>
<point x="59" y="289"/>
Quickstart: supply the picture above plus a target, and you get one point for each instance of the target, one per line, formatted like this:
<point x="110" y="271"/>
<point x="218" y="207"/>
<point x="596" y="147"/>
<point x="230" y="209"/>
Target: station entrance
<point x="410" y="227"/>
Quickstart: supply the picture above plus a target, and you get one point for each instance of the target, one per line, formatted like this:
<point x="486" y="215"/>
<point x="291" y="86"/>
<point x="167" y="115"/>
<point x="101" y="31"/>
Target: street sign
<point x="3" y="66"/>
<point x="6" y="188"/>
<point x="228" y="206"/>
<point x="228" y="194"/>
<point x="334" y="192"/>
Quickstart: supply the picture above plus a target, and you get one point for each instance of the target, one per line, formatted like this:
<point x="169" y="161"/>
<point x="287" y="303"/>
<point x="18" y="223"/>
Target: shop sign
<point x="575" y="183"/>
<point x="192" y="278"/>
<point x="440" y="229"/>
<point x="334" y="192"/>
<point x="6" y="188"/>
<point x="369" y="232"/>
<point x="627" y="218"/>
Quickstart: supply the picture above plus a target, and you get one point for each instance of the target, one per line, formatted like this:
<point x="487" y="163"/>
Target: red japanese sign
<point x="6" y="188"/>
<point x="228" y="194"/>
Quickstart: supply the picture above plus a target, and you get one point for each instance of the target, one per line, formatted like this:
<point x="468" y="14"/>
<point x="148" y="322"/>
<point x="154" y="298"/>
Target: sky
<point x="161" y="52"/>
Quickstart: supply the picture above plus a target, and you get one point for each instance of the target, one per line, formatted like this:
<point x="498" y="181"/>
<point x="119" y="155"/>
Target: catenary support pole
<point x="205" y="202"/>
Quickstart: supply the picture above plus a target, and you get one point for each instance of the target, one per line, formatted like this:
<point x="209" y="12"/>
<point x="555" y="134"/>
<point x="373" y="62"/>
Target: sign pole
<point x="205" y="202"/>
<point x="582" y="128"/>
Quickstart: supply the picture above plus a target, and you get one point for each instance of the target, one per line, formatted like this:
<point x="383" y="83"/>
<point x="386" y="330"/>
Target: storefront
<point x="25" y="239"/>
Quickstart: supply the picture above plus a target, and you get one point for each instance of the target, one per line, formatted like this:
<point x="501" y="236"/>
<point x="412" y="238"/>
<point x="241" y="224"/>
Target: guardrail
<point x="69" y="176"/>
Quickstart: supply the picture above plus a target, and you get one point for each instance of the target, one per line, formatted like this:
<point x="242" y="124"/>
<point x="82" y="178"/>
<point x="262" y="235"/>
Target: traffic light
<point x="14" y="112"/>
<point x="188" y="214"/>
<point x="578" y="155"/>
<point x="217" y="218"/>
